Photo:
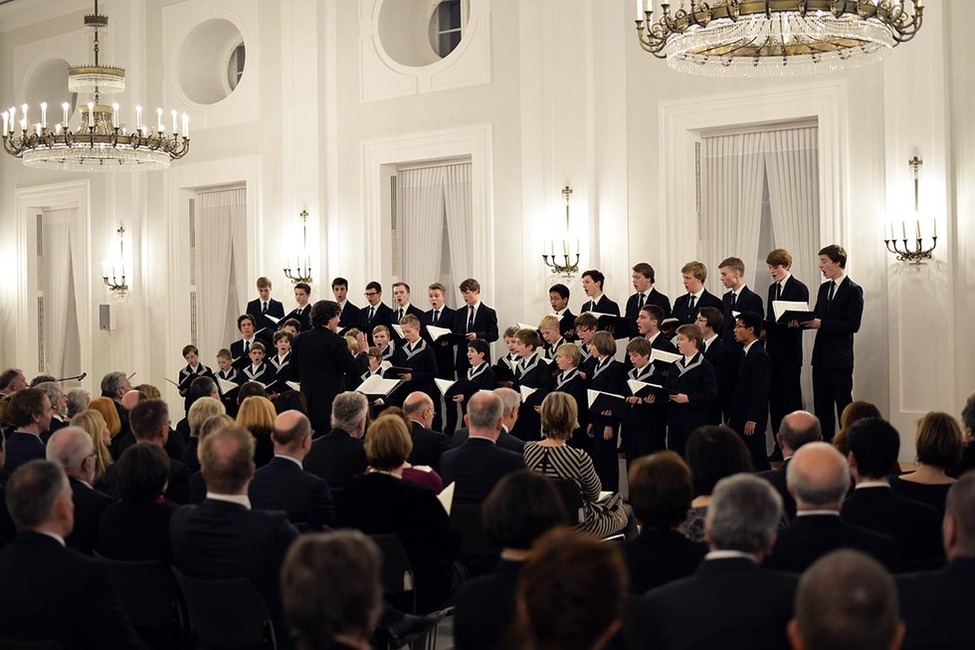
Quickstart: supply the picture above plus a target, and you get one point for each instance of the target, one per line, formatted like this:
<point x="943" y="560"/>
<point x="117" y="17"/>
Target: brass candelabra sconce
<point x="298" y="269"/>
<point x="113" y="273"/>
<point x="568" y="265"/>
<point x="912" y="250"/>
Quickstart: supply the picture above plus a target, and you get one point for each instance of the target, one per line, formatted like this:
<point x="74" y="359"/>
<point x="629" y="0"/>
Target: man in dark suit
<point x="846" y="600"/>
<point x="114" y="386"/>
<point x="340" y="455"/>
<point x="936" y="604"/>
<point x="440" y="315"/>
<point x="749" y="407"/>
<point x="11" y="381"/>
<point x="599" y="302"/>
<point x="738" y="299"/>
<point x="686" y="307"/>
<point x="818" y="478"/>
<point x="403" y="305"/>
<point x="916" y="527"/>
<point x="558" y="298"/>
<point x="350" y="313"/>
<point x="59" y="407"/>
<point x="375" y="312"/>
<point x="223" y="537"/>
<point x="643" y="279"/>
<point x="839" y="308"/>
<point x="48" y="593"/>
<point x="475" y="321"/>
<point x="730" y="601"/>
<point x="428" y="445"/>
<point x="511" y="403"/>
<point x="725" y="359"/>
<point x="264" y="305"/>
<point x="302" y="312"/>
<point x="72" y="448"/>
<point x="30" y="413"/>
<point x="783" y="341"/>
<point x="796" y="429"/>
<point x="477" y="465"/>
<point x="240" y="350"/>
<point x="284" y="484"/>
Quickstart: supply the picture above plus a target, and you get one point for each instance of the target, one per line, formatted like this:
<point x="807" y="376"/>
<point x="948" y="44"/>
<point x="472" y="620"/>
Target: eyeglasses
<point x="370" y="294"/>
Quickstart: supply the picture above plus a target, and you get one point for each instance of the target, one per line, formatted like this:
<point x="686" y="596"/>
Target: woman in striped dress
<point x="553" y="458"/>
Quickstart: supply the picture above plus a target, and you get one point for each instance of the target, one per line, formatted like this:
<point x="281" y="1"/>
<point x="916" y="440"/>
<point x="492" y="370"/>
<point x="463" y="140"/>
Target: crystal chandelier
<point x="99" y="142"/>
<point x="771" y="38"/>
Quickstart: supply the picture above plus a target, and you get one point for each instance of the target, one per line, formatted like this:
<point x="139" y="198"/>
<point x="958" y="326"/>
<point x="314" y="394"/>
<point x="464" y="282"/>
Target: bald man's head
<point x="73" y="449"/>
<point x="818" y="477"/>
<point x="131" y="398"/>
<point x="484" y="414"/>
<point x="797" y="429"/>
<point x="227" y="460"/>
<point x="292" y="433"/>
<point x="418" y="406"/>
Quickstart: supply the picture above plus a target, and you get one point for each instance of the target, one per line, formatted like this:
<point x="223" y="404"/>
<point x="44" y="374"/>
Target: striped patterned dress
<point x="602" y="518"/>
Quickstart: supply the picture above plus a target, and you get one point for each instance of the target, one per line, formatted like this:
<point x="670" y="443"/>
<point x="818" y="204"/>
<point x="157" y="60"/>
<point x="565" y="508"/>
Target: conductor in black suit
<point x="738" y="299"/>
<point x="428" y="445"/>
<point x="48" y="593"/>
<point x="321" y="361"/>
<point x="265" y="305"/>
<point x="350" y="313"/>
<point x="749" y="407"/>
<point x="284" y="484"/>
<point x="72" y="448"/>
<point x="477" y="465"/>
<point x="643" y="278"/>
<point x="783" y="341"/>
<point x="599" y="302"/>
<point x="340" y="454"/>
<point x="686" y="307"/>
<point x="474" y="320"/>
<point x="839" y="308"/>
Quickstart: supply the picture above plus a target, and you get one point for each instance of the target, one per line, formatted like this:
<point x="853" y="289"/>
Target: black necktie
<point x="832" y="291"/>
<point x="778" y="291"/>
<point x="399" y="315"/>
<point x="734" y="299"/>
<point x="372" y="312"/>
<point x="247" y="347"/>
<point x="264" y="308"/>
<point x="436" y="316"/>
<point x="690" y="307"/>
<point x="643" y="301"/>
<point x="470" y="320"/>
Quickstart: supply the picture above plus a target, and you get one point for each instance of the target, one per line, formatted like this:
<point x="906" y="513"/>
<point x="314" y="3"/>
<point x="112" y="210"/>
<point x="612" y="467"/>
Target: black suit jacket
<point x="727" y="603"/>
<point x="686" y="316"/>
<point x="656" y="557"/>
<point x="505" y="440"/>
<point x="567" y="325"/>
<point x="485" y="609"/>
<point x="935" y="606"/>
<point x="748" y="300"/>
<point x="383" y="316"/>
<point x="428" y="446"/>
<point x="350" y="315"/>
<point x="839" y="321"/>
<point x="304" y="317"/>
<point x="443" y="350"/>
<point x="633" y="308"/>
<point x="701" y="388"/>
<point x="21" y="448"/>
<point x="915" y="527"/>
<point x="412" y="310"/>
<point x="603" y="306"/>
<point x="89" y="504"/>
<point x="485" y="327"/>
<point x="337" y="457"/>
<point x="282" y="485"/>
<point x="135" y="532"/>
<point x="274" y="308"/>
<point x="777" y="478"/>
<point x="476" y="467"/>
<point x="751" y="391"/>
<point x="810" y="537"/>
<point x="48" y="592"/>
<point x="725" y="359"/>
<point x="177" y="488"/>
<point x="321" y="360"/>
<point x="784" y="345"/>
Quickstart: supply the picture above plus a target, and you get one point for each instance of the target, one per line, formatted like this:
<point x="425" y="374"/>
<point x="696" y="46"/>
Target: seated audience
<point x="381" y="502"/>
<point x="30" y="414"/>
<point x="553" y="458"/>
<point x="73" y="450"/>
<point x="853" y="413"/>
<point x="660" y="492"/>
<point x="428" y="445"/>
<point x="257" y="415"/>
<point x="713" y="453"/>
<point x="150" y="391"/>
<point x="340" y="454"/>
<point x="818" y="478"/>
<point x="7" y="529"/>
<point x="967" y="461"/>
<point x="331" y="590"/>
<point x="795" y="430"/>
<point x="198" y="389"/>
<point x="198" y="488"/>
<point x="420" y="474"/>
<point x="106" y="407"/>
<point x="512" y="403"/>
<point x="283" y="484"/>
<point x="571" y="592"/>
<point x="935" y="605"/>
<point x="200" y="411"/>
<point x="846" y="600"/>
<point x="59" y="406"/>
<point x="136" y="527"/>
<point x="522" y="507"/>
<point x="730" y="601"/>
<point x="48" y="593"/>
<point x="94" y="424"/>
<point x="78" y="400"/>
<point x="939" y="447"/>
<point x="915" y="527"/>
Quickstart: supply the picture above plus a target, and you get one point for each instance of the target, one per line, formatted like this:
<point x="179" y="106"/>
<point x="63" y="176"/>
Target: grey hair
<point x="743" y="514"/>
<point x="33" y="491"/>
<point x="78" y="401"/>
<point x="348" y="410"/>
<point x="510" y="398"/>
<point x="69" y="447"/>
<point x="53" y="391"/>
<point x="484" y="411"/>
<point x="112" y="383"/>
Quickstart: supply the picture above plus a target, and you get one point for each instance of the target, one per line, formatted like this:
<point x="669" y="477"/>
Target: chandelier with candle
<point x="763" y="38"/>
<point x="100" y="141"/>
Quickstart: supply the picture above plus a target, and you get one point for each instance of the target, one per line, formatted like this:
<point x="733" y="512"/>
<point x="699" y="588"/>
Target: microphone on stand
<point x="75" y="378"/>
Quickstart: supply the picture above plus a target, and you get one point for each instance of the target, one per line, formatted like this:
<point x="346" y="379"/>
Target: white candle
<point x="186" y="125"/>
<point x="91" y="114"/>
<point x="115" y="115"/>
<point x="639" y="9"/>
<point x="904" y="230"/>
<point x="64" y="111"/>
<point x="6" y="121"/>
<point x="23" y="109"/>
<point x="935" y="225"/>
<point x="138" y="117"/>
<point x="175" y="129"/>
<point x="104" y="269"/>
<point x="44" y="114"/>
<point x="37" y="129"/>
<point x="23" y="125"/>
<point x="159" y="122"/>
<point x="577" y="246"/>
<point x="57" y="129"/>
<point x="919" y="230"/>
<point x="145" y="131"/>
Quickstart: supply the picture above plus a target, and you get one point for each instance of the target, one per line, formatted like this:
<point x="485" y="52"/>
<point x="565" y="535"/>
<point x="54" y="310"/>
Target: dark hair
<point x="340" y="282"/>
<point x="249" y="389"/>
<point x="586" y="320"/>
<point x="41" y="379"/>
<point x="751" y="320"/>
<point x="874" y="444"/>
<point x="713" y="316"/>
<point x="661" y="489"/>
<point x="147" y="418"/>
<point x="224" y="353"/>
<point x="290" y="322"/>
<point x="8" y="376"/>
<point x="304" y="286"/>
<point x="645" y="270"/>
<point x="374" y="286"/>
<point x="25" y="405"/>
<point x="291" y="400"/>
<point x="522" y="507"/>
<point x="560" y="289"/>
<point x="33" y="490"/>
<point x="596" y="276"/>
<point x="968" y="413"/>
<point x="243" y="317"/>
<point x="283" y="334"/>
<point x="481" y="346"/>
<point x="938" y="440"/>
<point x="324" y="311"/>
<point x="200" y="387"/>
<point x="142" y="472"/>
<point x="836" y="254"/>
<point x="714" y="452"/>
<point x="190" y="348"/>
<point x="654" y="312"/>
<point x="528" y="337"/>
<point x="470" y="284"/>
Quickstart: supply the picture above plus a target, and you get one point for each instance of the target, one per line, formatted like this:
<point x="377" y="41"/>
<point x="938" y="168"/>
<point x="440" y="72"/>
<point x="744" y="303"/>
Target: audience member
<point x="59" y="407"/>
<point x="428" y="445"/>
<point x="200" y="411"/>
<point x="198" y="389"/>
<point x="340" y="455"/>
<point x="512" y="402"/>
<point x="284" y="484"/>
<point x="7" y="529"/>
<point x="78" y="400"/>
<point x="198" y="488"/>
<point x="30" y="414"/>
<point x="114" y="386"/>
<point x="106" y="407"/>
<point x="257" y="415"/>
<point x="11" y="381"/>
<point x="420" y="474"/>
<point x="660" y="492"/>
<point x="150" y="391"/>
<point x="48" y="593"/>
<point x="939" y="447"/>
<point x="94" y="424"/>
<point x="853" y="413"/>
<point x="846" y="601"/>
<point x="136" y="527"/>
<point x="967" y="461"/>
<point x="730" y="601"/>
<point x="795" y="430"/>
<point x="818" y="479"/>
<point x="73" y="450"/>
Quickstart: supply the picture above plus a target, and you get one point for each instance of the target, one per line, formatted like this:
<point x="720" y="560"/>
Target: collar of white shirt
<point x="471" y="436"/>
<point x="839" y="280"/>
<point x="748" y="347"/>
<point x="291" y="458"/>
<point x="651" y="339"/>
<point x="698" y="294"/>
<point x="239" y="499"/>
<point x="54" y="536"/>
<point x="872" y="484"/>
<point x="805" y="513"/>
<point x="727" y="555"/>
<point x="708" y="342"/>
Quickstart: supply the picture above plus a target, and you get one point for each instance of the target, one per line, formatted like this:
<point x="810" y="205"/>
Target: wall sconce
<point x="113" y="273"/>
<point x="918" y="253"/>
<point x="566" y="267"/>
<point x="298" y="269"/>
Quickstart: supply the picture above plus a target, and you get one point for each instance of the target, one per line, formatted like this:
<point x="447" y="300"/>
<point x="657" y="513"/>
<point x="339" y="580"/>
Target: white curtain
<point x="457" y="190"/>
<point x="732" y="180"/>
<point x="421" y="206"/>
<point x="221" y="236"/>
<point x="62" y="245"/>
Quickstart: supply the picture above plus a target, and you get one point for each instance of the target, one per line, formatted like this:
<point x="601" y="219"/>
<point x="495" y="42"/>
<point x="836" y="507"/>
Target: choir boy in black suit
<point x="739" y="298"/>
<point x="749" y="408"/>
<point x="648" y="326"/>
<point x="381" y="339"/>
<point x="402" y="305"/>
<point x="644" y="430"/>
<point x="265" y="305"/>
<point x="280" y="361"/>
<point x="686" y="307"/>
<point x="599" y="303"/>
<point x="643" y="278"/>
<point x="374" y="357"/>
<point x="227" y="372"/>
<point x="585" y="327"/>
<point x="350" y="313"/>
<point x="725" y="360"/>
<point x="696" y="388"/>
<point x="608" y="376"/>
<point x="440" y="315"/>
<point x="551" y="334"/>
<point x="374" y="313"/>
<point x="504" y="369"/>
<point x="194" y="368"/>
<point x="569" y="380"/>
<point x="531" y="371"/>
<point x="479" y="376"/>
<point x="248" y="337"/>
<point x="558" y="297"/>
<point x="417" y="355"/>
<point x="783" y="342"/>
<point x="839" y="308"/>
<point x="258" y="370"/>
<point x="302" y="312"/>
<point x="475" y="320"/>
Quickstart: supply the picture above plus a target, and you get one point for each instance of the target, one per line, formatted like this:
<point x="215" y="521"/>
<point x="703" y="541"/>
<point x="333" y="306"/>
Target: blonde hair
<point x="93" y="422"/>
<point x="388" y="443"/>
<point x="560" y="416"/>
<point x="549" y="323"/>
<point x="257" y="415"/>
<point x="106" y="407"/>
<point x="210" y="425"/>
<point x="149" y="390"/>
<point x="202" y="410"/>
